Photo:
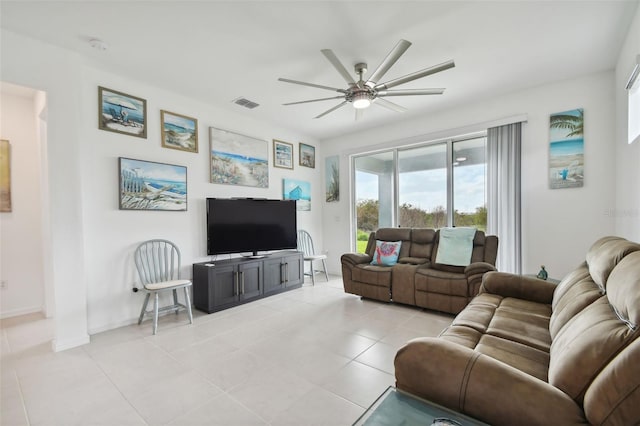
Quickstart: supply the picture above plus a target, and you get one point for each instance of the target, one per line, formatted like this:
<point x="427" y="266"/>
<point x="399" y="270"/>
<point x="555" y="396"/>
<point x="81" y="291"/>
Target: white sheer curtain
<point x="503" y="194"/>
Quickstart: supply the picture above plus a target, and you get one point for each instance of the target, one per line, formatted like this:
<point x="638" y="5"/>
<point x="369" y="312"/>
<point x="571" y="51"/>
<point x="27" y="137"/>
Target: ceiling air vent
<point x="245" y="103"/>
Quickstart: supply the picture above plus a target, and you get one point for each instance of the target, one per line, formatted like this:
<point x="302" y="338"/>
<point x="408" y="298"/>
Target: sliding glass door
<point x="428" y="186"/>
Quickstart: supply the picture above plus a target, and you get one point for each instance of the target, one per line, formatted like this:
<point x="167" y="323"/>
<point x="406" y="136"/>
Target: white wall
<point x="88" y="252"/>
<point x="21" y="260"/>
<point x="111" y="234"/>
<point x="627" y="208"/>
<point x="558" y="225"/>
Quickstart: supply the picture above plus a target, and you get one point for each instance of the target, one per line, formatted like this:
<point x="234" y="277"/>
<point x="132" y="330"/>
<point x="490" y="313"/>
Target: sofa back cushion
<point x="390" y="234"/>
<point x="605" y="254"/>
<point x="485" y="249"/>
<point x="593" y="337"/>
<point x="422" y="240"/>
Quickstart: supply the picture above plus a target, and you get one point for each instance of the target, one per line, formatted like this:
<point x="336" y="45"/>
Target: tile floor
<point x="311" y="356"/>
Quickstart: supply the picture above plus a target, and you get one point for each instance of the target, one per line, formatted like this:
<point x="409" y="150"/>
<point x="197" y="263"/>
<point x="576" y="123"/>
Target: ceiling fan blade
<point x="390" y="105"/>
<point x="410" y="92"/>
<point x="318" y="86"/>
<point x="388" y="62"/>
<point x="332" y="109"/>
<point x="416" y="75"/>
<point x="314" y="100"/>
<point x="328" y="53"/>
<point x="359" y="113"/>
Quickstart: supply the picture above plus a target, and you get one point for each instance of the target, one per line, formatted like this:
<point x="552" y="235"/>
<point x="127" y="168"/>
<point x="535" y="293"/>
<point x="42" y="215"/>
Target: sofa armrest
<point x="355" y="258"/>
<point x="474" y="273"/>
<point x="467" y="381"/>
<point x="518" y="286"/>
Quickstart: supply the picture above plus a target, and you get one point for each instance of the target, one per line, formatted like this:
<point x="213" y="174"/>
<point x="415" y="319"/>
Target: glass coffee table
<point x="395" y="408"/>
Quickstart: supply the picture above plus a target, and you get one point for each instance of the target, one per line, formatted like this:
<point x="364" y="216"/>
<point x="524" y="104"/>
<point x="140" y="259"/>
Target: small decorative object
<point x="179" y="131"/>
<point x="238" y="159"/>
<point x="543" y="273"/>
<point x="566" y="149"/>
<point x="307" y="155"/>
<point x="332" y="178"/>
<point x="147" y="185"/>
<point x="282" y="154"/>
<point x="5" y="176"/>
<point x="298" y="190"/>
<point x="122" y="113"/>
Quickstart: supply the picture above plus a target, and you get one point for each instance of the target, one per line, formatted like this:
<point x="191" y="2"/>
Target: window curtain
<point x="503" y="194"/>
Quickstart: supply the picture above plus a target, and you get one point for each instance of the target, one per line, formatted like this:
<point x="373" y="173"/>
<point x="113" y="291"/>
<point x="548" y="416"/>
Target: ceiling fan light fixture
<point x="361" y="101"/>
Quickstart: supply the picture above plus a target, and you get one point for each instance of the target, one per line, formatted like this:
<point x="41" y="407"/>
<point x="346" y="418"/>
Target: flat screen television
<point x="239" y="225"/>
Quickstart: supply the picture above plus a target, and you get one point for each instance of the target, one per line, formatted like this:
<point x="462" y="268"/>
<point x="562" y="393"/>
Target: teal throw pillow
<point x="386" y="253"/>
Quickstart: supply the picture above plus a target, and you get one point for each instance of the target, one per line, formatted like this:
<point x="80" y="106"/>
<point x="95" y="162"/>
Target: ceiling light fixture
<point x="361" y="100"/>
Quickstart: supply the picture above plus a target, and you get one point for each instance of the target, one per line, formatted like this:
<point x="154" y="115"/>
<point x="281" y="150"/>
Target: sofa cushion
<point x="605" y="254"/>
<point x="422" y="240"/>
<point x="386" y="253"/>
<point x="370" y="274"/>
<point x="442" y="282"/>
<point x="521" y="356"/>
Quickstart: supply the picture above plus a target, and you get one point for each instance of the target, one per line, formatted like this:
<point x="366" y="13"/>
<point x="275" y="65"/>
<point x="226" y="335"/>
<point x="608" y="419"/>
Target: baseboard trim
<point x="21" y="311"/>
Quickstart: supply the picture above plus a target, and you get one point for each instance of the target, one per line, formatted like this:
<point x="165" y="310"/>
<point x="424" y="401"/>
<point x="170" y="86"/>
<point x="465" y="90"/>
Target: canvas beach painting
<point x="238" y="159"/>
<point x="122" y="113"/>
<point x="5" y="176"/>
<point x="298" y="190"/>
<point x="147" y="185"/>
<point x="566" y="149"/>
<point x="179" y="131"/>
<point x="332" y="178"/>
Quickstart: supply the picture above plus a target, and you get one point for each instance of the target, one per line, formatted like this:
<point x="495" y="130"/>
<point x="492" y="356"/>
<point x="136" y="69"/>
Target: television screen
<point x="250" y="225"/>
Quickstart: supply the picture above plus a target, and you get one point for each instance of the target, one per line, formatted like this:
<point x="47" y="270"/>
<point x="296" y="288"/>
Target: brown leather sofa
<point x="416" y="279"/>
<point x="527" y="352"/>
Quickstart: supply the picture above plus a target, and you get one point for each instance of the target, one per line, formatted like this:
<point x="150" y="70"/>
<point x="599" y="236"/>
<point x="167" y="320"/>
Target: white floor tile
<point x="312" y="356"/>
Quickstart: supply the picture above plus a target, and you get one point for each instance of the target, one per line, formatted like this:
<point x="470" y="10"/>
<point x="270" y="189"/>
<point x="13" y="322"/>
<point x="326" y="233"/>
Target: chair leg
<point x="324" y="266"/>
<point x="155" y="312"/>
<point x="187" y="303"/>
<point x="313" y="273"/>
<point x="144" y="307"/>
<point x="175" y="300"/>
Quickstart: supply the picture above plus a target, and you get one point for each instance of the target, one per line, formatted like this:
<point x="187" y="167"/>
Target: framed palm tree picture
<point x="566" y="149"/>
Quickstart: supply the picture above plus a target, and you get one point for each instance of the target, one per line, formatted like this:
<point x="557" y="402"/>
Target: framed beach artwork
<point x="147" y="185"/>
<point x="298" y="190"/>
<point x="179" y="131"/>
<point x="307" y="155"/>
<point x="122" y="113"/>
<point x="566" y="149"/>
<point x="332" y="178"/>
<point x="238" y="159"/>
<point x="5" y="176"/>
<point x="282" y="154"/>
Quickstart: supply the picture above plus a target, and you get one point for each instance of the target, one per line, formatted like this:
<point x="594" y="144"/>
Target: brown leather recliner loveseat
<point x="417" y="279"/>
<point x="528" y="352"/>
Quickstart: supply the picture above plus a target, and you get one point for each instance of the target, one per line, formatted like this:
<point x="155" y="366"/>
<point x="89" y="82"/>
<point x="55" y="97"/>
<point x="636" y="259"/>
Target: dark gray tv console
<point x="222" y="284"/>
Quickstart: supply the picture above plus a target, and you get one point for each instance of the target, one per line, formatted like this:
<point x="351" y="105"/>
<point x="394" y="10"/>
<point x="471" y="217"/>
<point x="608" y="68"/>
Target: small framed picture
<point x="282" y="154"/>
<point x="179" y="131"/>
<point x="307" y="155"/>
<point x="122" y="113"/>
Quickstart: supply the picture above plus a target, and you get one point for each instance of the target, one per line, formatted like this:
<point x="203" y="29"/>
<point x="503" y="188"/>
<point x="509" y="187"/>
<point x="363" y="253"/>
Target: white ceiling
<point x="217" y="51"/>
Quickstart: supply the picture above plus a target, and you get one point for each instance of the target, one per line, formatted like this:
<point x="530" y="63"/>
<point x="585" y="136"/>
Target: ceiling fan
<point x="363" y="93"/>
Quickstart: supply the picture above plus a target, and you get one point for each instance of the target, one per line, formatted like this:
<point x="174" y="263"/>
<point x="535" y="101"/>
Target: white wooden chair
<point x="158" y="265"/>
<point x="305" y="245"/>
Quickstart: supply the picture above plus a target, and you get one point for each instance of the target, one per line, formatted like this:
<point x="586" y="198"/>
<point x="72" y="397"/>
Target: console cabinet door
<point x="294" y="268"/>
<point x="250" y="279"/>
<point x="273" y="275"/>
<point x="225" y="285"/>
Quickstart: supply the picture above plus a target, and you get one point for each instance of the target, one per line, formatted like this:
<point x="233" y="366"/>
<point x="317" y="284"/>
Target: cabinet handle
<point x="242" y="274"/>
<point x="282" y="274"/>
<point x="236" y="274"/>
<point x="286" y="268"/>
